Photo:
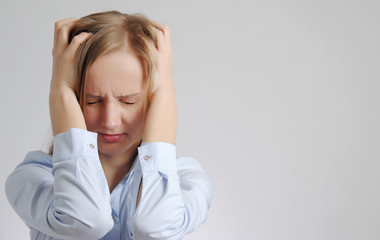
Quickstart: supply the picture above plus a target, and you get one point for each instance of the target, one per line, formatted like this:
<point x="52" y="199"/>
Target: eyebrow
<point x="88" y="95"/>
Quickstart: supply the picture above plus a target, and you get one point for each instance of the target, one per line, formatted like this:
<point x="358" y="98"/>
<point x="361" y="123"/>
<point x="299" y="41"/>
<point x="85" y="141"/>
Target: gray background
<point x="278" y="100"/>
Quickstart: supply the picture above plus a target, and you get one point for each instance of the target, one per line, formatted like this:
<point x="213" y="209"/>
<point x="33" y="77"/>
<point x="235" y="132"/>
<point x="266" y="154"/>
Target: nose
<point x="111" y="117"/>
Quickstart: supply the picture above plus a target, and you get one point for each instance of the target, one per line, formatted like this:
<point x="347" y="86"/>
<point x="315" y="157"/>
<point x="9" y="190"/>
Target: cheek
<point x="137" y="119"/>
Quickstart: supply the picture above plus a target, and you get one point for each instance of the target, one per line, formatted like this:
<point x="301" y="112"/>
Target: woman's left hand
<point x="162" y="58"/>
<point x="161" y="122"/>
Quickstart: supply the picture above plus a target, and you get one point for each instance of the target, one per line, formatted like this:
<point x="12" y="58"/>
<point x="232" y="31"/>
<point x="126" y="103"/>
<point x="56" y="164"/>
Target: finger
<point x="163" y="35"/>
<point x="162" y="27"/>
<point x="63" y="29"/>
<point x="160" y="39"/>
<point x="76" y="42"/>
<point x="62" y="22"/>
<point x="61" y="32"/>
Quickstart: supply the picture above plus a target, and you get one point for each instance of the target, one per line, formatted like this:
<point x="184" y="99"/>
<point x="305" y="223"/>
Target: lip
<point x="111" y="138"/>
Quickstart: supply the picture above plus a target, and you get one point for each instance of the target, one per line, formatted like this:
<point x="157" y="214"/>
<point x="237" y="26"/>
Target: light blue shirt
<point x="67" y="196"/>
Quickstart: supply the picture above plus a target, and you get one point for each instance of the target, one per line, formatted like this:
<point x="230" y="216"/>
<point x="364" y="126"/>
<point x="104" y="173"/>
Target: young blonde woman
<point x="113" y="172"/>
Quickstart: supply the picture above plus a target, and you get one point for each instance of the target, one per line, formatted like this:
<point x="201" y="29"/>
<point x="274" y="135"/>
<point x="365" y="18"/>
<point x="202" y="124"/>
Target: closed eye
<point x="92" y="102"/>
<point x="127" y="102"/>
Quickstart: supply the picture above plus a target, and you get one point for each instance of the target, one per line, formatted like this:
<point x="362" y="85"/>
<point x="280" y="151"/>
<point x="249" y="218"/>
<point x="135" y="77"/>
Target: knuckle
<point x="76" y="40"/>
<point x="57" y="25"/>
<point x="79" y="39"/>
<point x="160" y="33"/>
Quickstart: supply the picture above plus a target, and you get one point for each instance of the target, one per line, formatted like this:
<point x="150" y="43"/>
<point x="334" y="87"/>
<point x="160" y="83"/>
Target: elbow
<point x="92" y="225"/>
<point x="12" y="189"/>
<point x="97" y="227"/>
<point x="164" y="226"/>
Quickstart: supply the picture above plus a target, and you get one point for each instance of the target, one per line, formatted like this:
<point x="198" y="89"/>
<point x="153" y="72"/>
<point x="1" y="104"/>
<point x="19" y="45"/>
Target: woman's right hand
<point x="65" y="112"/>
<point x="64" y="71"/>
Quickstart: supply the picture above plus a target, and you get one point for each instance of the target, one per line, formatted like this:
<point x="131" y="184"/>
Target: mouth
<point x="111" y="138"/>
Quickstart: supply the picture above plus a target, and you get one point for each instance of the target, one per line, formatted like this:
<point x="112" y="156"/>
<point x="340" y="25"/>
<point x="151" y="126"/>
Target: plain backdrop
<point x="278" y="100"/>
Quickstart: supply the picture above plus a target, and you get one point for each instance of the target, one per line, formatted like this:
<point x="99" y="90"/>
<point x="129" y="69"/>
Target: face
<point x="114" y="102"/>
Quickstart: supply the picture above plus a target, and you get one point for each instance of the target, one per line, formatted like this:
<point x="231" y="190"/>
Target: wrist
<point x="161" y="122"/>
<point x="61" y="92"/>
<point x="65" y="112"/>
<point x="164" y="92"/>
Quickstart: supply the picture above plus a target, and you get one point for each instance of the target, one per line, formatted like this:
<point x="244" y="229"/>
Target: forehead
<point x="118" y="72"/>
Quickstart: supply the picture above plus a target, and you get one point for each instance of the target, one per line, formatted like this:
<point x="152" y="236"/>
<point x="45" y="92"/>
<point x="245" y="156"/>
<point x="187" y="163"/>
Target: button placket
<point x="115" y="216"/>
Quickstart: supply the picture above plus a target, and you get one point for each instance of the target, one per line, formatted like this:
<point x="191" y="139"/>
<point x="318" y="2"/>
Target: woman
<point x="113" y="173"/>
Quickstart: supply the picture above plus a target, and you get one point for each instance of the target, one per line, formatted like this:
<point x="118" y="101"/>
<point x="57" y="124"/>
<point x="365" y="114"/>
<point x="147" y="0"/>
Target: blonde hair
<point x="112" y="30"/>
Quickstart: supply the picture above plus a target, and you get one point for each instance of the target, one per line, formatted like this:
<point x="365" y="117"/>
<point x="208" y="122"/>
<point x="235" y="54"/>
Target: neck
<point x="115" y="167"/>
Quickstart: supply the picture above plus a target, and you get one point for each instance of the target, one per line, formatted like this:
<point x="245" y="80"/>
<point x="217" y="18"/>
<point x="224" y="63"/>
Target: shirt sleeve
<point x="175" y="197"/>
<point x="71" y="200"/>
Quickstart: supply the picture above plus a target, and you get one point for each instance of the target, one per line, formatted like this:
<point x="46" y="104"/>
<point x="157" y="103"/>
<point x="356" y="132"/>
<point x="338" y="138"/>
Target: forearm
<point x="175" y="197"/>
<point x="160" y="214"/>
<point x="66" y="197"/>
<point x="65" y="112"/>
<point x="80" y="187"/>
<point x="161" y="122"/>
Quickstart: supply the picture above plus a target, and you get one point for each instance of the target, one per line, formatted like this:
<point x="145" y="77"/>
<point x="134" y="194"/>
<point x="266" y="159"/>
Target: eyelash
<point x="90" y="103"/>
<point x="128" y="103"/>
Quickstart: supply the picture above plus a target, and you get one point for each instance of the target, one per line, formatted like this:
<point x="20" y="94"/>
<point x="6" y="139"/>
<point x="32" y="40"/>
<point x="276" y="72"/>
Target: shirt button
<point x="146" y="157"/>
<point x="114" y="219"/>
<point x="92" y="146"/>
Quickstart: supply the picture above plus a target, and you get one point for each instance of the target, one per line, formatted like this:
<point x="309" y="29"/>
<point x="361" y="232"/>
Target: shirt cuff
<point x="75" y="143"/>
<point x="157" y="156"/>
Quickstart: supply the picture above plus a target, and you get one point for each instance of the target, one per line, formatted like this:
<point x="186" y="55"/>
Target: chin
<point x="114" y="149"/>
